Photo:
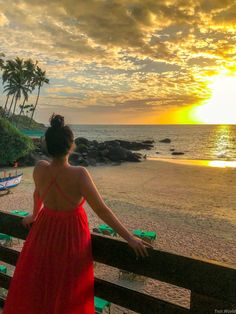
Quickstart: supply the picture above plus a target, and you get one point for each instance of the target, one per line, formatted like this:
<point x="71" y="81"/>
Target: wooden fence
<point x="212" y="284"/>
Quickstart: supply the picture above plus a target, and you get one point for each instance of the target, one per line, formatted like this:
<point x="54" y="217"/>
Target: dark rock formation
<point x="177" y="153"/>
<point x="92" y="152"/>
<point x="165" y="140"/>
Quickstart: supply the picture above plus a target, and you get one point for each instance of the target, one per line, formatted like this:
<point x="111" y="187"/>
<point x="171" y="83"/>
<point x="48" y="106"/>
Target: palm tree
<point x="9" y="70"/>
<point x="38" y="80"/>
<point x="29" y="70"/>
<point x="17" y="86"/>
<point x="1" y="60"/>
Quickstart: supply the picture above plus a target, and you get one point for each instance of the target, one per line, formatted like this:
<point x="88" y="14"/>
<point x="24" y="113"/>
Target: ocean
<point x="197" y="142"/>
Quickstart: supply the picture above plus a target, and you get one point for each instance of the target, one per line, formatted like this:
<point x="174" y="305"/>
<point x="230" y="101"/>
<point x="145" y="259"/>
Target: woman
<point x="54" y="273"/>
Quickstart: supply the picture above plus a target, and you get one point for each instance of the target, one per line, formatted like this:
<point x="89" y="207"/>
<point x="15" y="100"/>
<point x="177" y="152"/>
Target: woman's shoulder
<point x="41" y="163"/>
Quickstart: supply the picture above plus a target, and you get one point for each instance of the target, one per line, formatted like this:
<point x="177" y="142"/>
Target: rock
<point x="172" y="149"/>
<point x="92" y="161"/>
<point x="148" y="142"/>
<point x="106" y="160"/>
<point x="177" y="153"/>
<point x="74" y="158"/>
<point x="165" y="140"/>
<point x="81" y="148"/>
<point x="114" y="143"/>
<point x="102" y="146"/>
<point x="95" y="143"/>
<point x="134" y="157"/>
<point x="81" y="140"/>
<point x="31" y="159"/>
<point x="93" y="153"/>
<point x="117" y="153"/>
<point x="135" y="145"/>
<point x="84" y="163"/>
<point x="157" y="152"/>
<point x="104" y="152"/>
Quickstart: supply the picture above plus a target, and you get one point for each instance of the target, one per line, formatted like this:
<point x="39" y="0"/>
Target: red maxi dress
<point x="54" y="272"/>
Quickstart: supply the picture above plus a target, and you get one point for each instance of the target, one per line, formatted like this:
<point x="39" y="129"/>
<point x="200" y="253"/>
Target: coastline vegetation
<point x="20" y="78"/>
<point x="13" y="144"/>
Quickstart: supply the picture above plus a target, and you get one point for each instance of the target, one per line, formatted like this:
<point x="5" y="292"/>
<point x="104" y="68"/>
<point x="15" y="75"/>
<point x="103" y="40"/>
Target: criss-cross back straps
<point x="62" y="192"/>
<point x="48" y="187"/>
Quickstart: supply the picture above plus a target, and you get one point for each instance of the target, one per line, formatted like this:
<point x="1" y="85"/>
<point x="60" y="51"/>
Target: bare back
<point x="58" y="186"/>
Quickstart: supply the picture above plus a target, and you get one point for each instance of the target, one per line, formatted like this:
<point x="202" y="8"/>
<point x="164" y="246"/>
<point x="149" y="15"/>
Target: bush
<point x="13" y="144"/>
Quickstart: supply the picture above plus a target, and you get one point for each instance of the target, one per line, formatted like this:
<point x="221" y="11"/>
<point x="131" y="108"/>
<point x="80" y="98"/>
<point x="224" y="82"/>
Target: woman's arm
<point x="93" y="197"/>
<point x="27" y="221"/>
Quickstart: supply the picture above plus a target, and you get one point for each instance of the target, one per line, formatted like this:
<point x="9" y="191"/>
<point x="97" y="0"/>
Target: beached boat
<point x="10" y="181"/>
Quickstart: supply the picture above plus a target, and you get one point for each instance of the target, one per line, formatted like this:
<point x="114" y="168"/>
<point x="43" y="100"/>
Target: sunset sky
<point x="124" y="61"/>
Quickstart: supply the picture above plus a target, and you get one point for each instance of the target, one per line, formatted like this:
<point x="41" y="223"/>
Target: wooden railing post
<point x="206" y="305"/>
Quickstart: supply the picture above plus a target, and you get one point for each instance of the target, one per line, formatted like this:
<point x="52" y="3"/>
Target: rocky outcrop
<point x="114" y="151"/>
<point x="177" y="153"/>
<point x="92" y="152"/>
<point x="165" y="140"/>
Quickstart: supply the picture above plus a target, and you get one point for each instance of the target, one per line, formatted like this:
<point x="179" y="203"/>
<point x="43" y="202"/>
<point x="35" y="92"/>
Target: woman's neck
<point x="60" y="161"/>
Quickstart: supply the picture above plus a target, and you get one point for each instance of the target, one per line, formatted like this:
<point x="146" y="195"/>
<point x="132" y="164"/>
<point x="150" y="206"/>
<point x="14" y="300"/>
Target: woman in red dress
<point x="54" y="272"/>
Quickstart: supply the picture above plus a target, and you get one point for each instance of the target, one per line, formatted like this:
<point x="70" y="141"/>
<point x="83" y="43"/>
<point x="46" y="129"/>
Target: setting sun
<point x="220" y="108"/>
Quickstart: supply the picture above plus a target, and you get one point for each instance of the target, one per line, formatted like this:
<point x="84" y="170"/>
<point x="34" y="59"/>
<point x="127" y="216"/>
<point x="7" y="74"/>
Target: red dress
<point x="54" y="272"/>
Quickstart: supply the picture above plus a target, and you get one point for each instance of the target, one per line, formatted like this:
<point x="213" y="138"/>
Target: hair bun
<point x="57" y="121"/>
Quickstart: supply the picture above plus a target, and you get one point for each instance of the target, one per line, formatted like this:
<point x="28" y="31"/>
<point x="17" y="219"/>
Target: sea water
<point x="197" y="142"/>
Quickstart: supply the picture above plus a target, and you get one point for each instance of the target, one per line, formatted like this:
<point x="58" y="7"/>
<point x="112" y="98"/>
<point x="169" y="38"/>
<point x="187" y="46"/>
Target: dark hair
<point x="59" y="137"/>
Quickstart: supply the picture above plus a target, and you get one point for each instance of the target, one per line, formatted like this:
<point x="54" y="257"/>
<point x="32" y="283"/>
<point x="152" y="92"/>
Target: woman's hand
<point x="27" y="221"/>
<point x="139" y="246"/>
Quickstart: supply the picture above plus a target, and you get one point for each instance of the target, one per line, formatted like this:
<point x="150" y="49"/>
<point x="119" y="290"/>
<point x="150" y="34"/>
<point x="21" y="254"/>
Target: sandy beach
<point x="192" y="209"/>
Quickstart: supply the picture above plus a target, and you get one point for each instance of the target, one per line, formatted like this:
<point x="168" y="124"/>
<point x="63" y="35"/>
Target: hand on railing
<point x="139" y="246"/>
<point x="27" y="221"/>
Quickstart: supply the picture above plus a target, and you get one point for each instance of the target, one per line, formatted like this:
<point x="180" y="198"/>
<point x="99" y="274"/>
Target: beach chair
<point x="101" y="305"/>
<point x="3" y="291"/>
<point x="148" y="236"/>
<point x="21" y="213"/>
<point x="107" y="230"/>
<point x="96" y="230"/>
<point x="6" y="240"/>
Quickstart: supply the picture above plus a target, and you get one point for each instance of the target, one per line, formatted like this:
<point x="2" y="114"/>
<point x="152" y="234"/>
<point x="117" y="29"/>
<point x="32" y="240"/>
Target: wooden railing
<point x="212" y="284"/>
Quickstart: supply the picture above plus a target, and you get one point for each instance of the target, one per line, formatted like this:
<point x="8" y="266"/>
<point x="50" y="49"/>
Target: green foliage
<point x="23" y="123"/>
<point x="20" y="78"/>
<point x="13" y="144"/>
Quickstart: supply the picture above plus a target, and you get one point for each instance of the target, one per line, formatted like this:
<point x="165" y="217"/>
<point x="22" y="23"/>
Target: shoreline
<point x="198" y="162"/>
<point x="177" y="161"/>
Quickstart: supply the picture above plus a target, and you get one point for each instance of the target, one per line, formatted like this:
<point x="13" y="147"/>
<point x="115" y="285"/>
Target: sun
<point x="221" y="107"/>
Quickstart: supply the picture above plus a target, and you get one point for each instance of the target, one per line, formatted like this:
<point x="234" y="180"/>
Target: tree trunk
<point x="5" y="106"/>
<point x="16" y="98"/>
<point x="36" y="103"/>
<point x="21" y="110"/>
<point x="11" y="105"/>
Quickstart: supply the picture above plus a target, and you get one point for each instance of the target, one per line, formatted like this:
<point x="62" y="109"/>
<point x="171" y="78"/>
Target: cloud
<point x="122" y="56"/>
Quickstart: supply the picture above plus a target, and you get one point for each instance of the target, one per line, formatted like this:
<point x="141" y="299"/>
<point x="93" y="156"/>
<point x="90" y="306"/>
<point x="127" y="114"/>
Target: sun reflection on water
<point x="223" y="142"/>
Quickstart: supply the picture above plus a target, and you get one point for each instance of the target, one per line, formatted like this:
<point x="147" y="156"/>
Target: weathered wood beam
<point x="204" y="277"/>
<point x="125" y="297"/>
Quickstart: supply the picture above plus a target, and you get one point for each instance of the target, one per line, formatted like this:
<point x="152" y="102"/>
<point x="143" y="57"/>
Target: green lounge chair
<point x="5" y="239"/>
<point x="107" y="230"/>
<point x="149" y="236"/>
<point x="3" y="269"/>
<point x="21" y="213"/>
<point x="101" y="305"/>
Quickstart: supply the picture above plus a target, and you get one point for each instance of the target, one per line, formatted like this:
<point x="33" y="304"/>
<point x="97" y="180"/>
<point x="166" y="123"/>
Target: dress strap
<point x="52" y="182"/>
<point x="62" y="192"/>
